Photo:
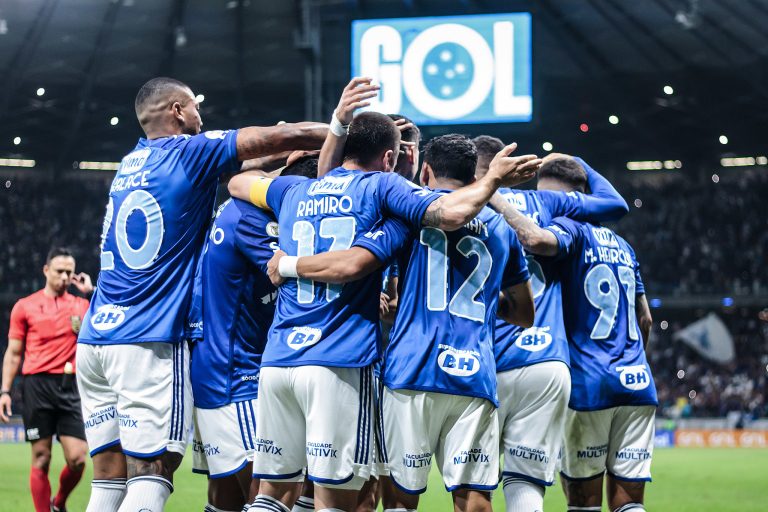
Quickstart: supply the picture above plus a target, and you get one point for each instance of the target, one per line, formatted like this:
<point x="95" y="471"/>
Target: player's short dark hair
<point x="487" y="147"/>
<point x="157" y="88"/>
<point x="305" y="166"/>
<point x="565" y="170"/>
<point x="370" y="135"/>
<point x="452" y="156"/>
<point x="57" y="251"/>
<point x="411" y="134"/>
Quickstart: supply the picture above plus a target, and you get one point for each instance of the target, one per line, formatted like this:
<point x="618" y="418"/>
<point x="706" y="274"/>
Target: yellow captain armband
<point x="258" y="192"/>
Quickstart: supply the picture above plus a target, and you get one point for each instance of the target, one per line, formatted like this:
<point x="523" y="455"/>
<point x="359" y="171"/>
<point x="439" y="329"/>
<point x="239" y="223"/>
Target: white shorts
<point x="532" y="404"/>
<point x="224" y="438"/>
<point x="461" y="432"/>
<point x="619" y="440"/>
<point x="315" y="417"/>
<point x="136" y="395"/>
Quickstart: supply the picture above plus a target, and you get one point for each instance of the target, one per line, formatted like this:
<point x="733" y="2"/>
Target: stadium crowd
<point x="676" y="222"/>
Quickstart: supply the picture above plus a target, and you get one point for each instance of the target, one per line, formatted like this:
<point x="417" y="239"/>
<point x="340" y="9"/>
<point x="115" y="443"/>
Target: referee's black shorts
<point x="49" y="408"/>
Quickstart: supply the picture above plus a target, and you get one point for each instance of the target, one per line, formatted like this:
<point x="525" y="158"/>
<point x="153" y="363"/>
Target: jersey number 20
<point x="463" y="302"/>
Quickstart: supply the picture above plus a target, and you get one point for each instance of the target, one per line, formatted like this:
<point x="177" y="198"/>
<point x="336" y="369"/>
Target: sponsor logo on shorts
<point x="273" y="229"/>
<point x="208" y="449"/>
<point x="322" y="450"/>
<point x="33" y="434"/>
<point x="633" y="454"/>
<point x="634" y="377"/>
<point x="108" y="317"/>
<point x="473" y="456"/>
<point x="126" y="421"/>
<point x="534" y="339"/>
<point x="267" y="446"/>
<point x="461" y="363"/>
<point x="304" y="337"/>
<point x="592" y="452"/>
<point x="417" y="460"/>
<point x="100" y="416"/>
<point x="524" y="452"/>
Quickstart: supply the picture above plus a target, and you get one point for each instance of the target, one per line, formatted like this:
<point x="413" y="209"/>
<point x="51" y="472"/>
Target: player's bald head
<point x="157" y="94"/>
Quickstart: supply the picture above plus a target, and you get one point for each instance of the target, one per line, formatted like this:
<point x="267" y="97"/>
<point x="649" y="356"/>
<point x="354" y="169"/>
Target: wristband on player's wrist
<point x="4" y="392"/>
<point x="287" y="266"/>
<point x="338" y="129"/>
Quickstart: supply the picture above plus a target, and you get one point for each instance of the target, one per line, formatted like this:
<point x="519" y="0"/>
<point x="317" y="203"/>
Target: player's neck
<point x="445" y="183"/>
<point x="50" y="292"/>
<point x="354" y="165"/>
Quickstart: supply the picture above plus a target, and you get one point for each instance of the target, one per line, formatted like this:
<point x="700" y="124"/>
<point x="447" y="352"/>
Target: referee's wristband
<point x="287" y="266"/>
<point x="338" y="129"/>
<point x="4" y="392"/>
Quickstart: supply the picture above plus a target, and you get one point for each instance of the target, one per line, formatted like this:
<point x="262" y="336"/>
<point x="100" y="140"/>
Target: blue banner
<point x="448" y="70"/>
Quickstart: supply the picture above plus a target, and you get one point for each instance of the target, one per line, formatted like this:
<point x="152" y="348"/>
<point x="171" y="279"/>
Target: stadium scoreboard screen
<point x="448" y="70"/>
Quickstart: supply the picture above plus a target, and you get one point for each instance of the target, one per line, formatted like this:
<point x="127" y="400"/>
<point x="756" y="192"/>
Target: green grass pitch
<point x="685" y="480"/>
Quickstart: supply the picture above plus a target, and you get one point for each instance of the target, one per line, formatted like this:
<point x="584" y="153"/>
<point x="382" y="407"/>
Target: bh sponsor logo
<point x="634" y="377"/>
<point x="417" y="460"/>
<point x="325" y="450"/>
<point x="534" y="339"/>
<point x="302" y="337"/>
<point x="267" y="446"/>
<point x="460" y="363"/>
<point x="108" y="317"/>
<point x="592" y="452"/>
<point x="333" y="185"/>
<point x="473" y="456"/>
<point x="633" y="454"/>
<point x="208" y="449"/>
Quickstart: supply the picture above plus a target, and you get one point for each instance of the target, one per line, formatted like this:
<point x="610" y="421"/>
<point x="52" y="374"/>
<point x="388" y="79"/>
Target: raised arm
<point x="534" y="239"/>
<point x="516" y="305"/>
<point x="451" y="211"/>
<point x="604" y="203"/>
<point x="335" y="267"/>
<point x="644" y="319"/>
<point x="259" y="141"/>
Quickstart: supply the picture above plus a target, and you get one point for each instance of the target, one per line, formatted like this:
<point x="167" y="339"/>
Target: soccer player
<point x="532" y="364"/>
<point x="408" y="159"/>
<point x="440" y="395"/>
<point x="610" y="418"/>
<point x="44" y="329"/>
<point x="316" y="378"/>
<point x="238" y="304"/>
<point x="160" y="202"/>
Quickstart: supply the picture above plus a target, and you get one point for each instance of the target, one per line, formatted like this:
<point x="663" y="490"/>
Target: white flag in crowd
<point x="710" y="338"/>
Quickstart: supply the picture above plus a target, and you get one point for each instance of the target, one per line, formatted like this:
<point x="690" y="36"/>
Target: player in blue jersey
<point x="440" y="397"/>
<point x="610" y="419"/>
<point x="532" y="364"/>
<point x="133" y="370"/>
<point x="327" y="337"/>
<point x="238" y="304"/>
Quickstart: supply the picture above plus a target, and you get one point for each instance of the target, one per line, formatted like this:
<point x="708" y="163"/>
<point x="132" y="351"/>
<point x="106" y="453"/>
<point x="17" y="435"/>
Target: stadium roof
<point x="255" y="61"/>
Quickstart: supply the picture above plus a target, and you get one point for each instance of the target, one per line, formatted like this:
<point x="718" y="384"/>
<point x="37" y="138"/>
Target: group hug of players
<point x="518" y="323"/>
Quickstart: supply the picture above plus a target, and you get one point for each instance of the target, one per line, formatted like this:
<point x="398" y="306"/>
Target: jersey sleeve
<point x="385" y="239"/>
<point x="208" y="155"/>
<point x="603" y="204"/>
<point x="252" y="238"/>
<point x="516" y="271"/>
<point x="18" y="324"/>
<point x="567" y="233"/>
<point x="403" y="199"/>
<point x="270" y="194"/>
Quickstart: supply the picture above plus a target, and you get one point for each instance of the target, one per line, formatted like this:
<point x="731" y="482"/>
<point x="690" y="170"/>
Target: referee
<point x="44" y="328"/>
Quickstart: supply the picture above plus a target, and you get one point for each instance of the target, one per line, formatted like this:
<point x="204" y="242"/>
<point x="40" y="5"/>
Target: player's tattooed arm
<point x="533" y="238"/>
<point x="335" y="267"/>
<point x="259" y="141"/>
<point x="516" y="305"/>
<point x="451" y="211"/>
<point x="644" y="319"/>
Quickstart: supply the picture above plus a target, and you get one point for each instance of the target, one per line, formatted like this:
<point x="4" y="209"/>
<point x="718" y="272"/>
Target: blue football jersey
<point x="334" y="325"/>
<point x="601" y="280"/>
<point x="546" y="340"/>
<point x="159" y="206"/>
<point x="238" y="305"/>
<point x="449" y="284"/>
